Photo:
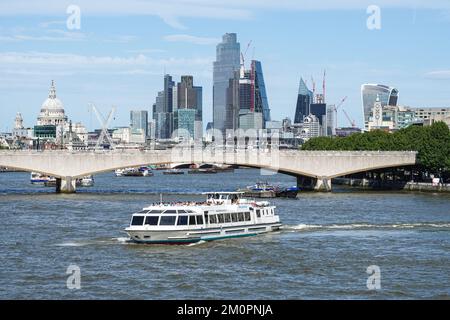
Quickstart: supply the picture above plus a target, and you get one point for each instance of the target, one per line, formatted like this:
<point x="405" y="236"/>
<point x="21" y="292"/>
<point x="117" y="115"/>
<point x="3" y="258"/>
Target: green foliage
<point x="432" y="144"/>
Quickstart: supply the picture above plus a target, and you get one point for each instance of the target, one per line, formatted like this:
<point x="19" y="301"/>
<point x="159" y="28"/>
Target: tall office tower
<point x="162" y="118"/>
<point x="320" y="111"/>
<point x="174" y="98"/>
<point x="151" y="129"/>
<point x="304" y="100"/>
<point x="187" y="95"/>
<point x="188" y="114"/>
<point x="198" y="130"/>
<point x="233" y="103"/>
<point x="250" y="112"/>
<point x="247" y="105"/>
<point x="199" y="104"/>
<point x="369" y="92"/>
<point x="184" y="121"/>
<point x="261" y="102"/>
<point x="168" y="93"/>
<point x="139" y="120"/>
<point x="168" y="103"/>
<point x="331" y="121"/>
<point x="227" y="62"/>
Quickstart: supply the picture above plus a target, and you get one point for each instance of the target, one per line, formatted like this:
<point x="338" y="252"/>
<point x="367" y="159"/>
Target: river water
<point x="328" y="242"/>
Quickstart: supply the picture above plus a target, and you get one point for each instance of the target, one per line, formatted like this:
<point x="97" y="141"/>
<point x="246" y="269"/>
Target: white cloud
<point x="121" y="39"/>
<point x="47" y="24"/>
<point x="146" y="50"/>
<point x="38" y="63"/>
<point x="438" y="74"/>
<point x="170" y="11"/>
<point x="27" y="34"/>
<point x="191" y="39"/>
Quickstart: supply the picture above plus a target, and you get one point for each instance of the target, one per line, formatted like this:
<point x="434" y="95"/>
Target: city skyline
<point x="91" y="64"/>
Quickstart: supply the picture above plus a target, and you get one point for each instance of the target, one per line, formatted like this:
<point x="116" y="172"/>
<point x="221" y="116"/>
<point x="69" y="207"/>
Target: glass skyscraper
<point x="261" y="102"/>
<point x="139" y="120"/>
<point x="227" y="62"/>
<point x="184" y="119"/>
<point x="304" y="100"/>
<point x="369" y="92"/>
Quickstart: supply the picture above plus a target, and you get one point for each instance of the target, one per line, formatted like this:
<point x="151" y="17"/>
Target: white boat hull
<point x="205" y="234"/>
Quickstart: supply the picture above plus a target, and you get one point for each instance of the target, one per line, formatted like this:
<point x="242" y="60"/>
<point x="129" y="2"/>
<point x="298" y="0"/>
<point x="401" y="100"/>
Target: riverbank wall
<point x="391" y="185"/>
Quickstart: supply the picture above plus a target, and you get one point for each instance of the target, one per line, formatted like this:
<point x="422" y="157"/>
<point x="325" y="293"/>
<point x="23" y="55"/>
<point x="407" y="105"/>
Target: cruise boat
<point x="39" y="178"/>
<point x="87" y="181"/>
<point x="134" y="172"/>
<point x="260" y="190"/>
<point x="223" y="215"/>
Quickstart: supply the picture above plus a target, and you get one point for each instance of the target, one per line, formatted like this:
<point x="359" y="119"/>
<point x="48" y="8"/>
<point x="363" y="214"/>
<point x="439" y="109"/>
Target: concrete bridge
<point x="313" y="169"/>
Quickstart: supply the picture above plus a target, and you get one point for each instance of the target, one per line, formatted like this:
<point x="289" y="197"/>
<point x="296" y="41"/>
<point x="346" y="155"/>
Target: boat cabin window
<point x="144" y="211"/>
<point x="258" y="213"/>
<point x="192" y="220"/>
<point x="220" y="218"/>
<point x="170" y="211"/>
<point x="182" y="220"/>
<point x="199" y="219"/>
<point x="227" y="217"/>
<point x="137" y="221"/>
<point x="152" y="220"/>
<point x="240" y="216"/>
<point x="234" y="217"/>
<point x="167" y="221"/>
<point x="247" y="216"/>
<point x="155" y="211"/>
<point x="213" y="219"/>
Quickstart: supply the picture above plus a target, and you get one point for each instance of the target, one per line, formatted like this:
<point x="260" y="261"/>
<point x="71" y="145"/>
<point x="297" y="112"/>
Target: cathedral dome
<point x="52" y="102"/>
<point x="52" y="110"/>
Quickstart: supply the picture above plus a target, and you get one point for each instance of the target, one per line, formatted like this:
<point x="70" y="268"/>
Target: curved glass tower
<point x="227" y="62"/>
<point x="369" y="92"/>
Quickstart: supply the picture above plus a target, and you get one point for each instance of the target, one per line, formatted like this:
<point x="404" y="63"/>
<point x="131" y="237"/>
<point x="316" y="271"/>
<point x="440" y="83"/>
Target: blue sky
<point x="123" y="48"/>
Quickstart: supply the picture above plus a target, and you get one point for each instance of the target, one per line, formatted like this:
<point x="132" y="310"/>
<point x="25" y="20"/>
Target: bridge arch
<point x="318" y="166"/>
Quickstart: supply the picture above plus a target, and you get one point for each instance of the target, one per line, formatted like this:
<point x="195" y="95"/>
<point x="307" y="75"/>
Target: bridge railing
<point x="296" y="152"/>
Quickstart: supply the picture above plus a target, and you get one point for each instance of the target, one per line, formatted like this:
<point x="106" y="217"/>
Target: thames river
<point x="323" y="252"/>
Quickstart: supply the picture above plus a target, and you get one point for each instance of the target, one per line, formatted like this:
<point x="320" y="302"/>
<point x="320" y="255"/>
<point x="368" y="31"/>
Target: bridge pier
<point x="320" y="184"/>
<point x="66" y="185"/>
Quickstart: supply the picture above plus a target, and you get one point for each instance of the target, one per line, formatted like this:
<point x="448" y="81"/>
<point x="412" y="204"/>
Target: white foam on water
<point x="196" y="243"/>
<point x="353" y="226"/>
<point x="122" y="239"/>
<point x="71" y="244"/>
<point x="302" y="226"/>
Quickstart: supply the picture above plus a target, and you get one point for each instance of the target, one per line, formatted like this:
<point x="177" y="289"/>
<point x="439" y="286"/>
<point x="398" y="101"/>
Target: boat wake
<point x="365" y="226"/>
<point x="196" y="243"/>
<point x="122" y="239"/>
<point x="100" y="241"/>
<point x="72" y="244"/>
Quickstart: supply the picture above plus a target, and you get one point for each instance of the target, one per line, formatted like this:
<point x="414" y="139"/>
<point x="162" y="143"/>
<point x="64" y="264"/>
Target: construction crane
<point x="336" y="110"/>
<point x="323" y="85"/>
<point x="352" y="122"/>
<point x="243" y="55"/>
<point x="313" y="89"/>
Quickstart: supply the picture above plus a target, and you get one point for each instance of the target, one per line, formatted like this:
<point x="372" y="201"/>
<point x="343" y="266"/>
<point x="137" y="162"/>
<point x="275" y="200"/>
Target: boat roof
<point x="224" y="192"/>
